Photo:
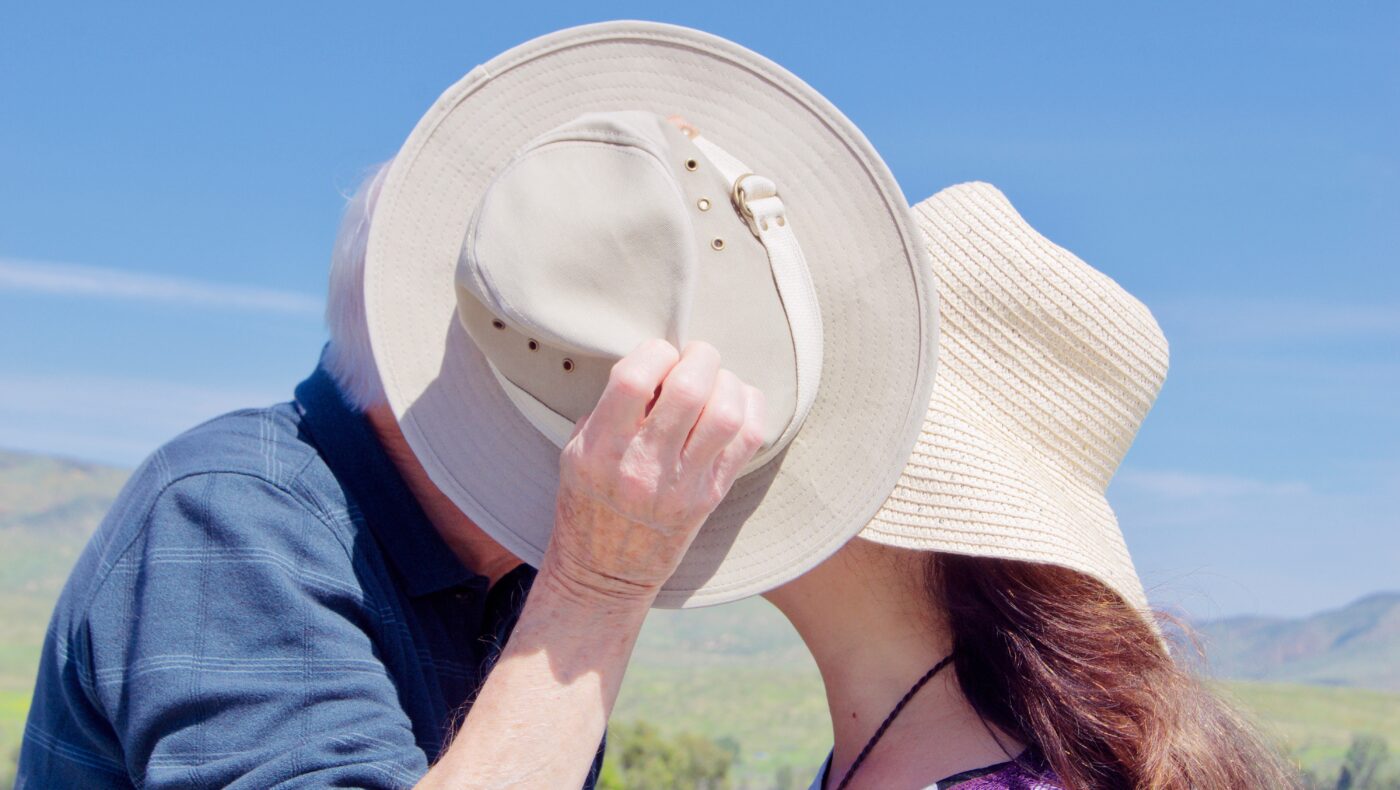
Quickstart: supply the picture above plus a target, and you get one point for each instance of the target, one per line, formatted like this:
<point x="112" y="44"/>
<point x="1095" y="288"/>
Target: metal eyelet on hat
<point x="691" y="164"/>
<point x="568" y="365"/>
<point x="703" y="204"/>
<point x="533" y="344"/>
<point x="498" y="324"/>
<point x="717" y="244"/>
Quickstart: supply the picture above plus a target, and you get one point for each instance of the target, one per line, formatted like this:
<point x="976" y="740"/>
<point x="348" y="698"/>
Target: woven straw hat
<point x="543" y="219"/>
<point x="1046" y="369"/>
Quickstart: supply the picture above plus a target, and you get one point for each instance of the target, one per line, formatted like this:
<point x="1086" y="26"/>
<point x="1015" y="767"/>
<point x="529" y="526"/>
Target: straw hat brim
<point x="870" y="273"/>
<point x="965" y="491"/>
<point x="1047" y="368"/>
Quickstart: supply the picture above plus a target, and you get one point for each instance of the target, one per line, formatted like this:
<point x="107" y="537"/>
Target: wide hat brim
<point x="1047" y="369"/>
<point x="870" y="273"/>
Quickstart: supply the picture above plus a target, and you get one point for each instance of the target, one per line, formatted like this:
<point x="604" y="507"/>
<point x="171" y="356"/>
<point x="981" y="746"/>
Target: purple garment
<point x="1025" y="773"/>
<point x="1009" y="776"/>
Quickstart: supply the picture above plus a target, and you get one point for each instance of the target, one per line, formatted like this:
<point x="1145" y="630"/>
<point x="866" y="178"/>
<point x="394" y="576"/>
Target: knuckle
<point x="729" y="385"/>
<point x="758" y="402"/>
<point x="686" y="391"/>
<point x="751" y="435"/>
<point x="599" y="456"/>
<point x="701" y="349"/>
<point x="726" y="418"/>
<point x="719" y="489"/>
<point x="630" y="382"/>
<point x="661" y="348"/>
<point x="654" y="354"/>
<point x="634" y="484"/>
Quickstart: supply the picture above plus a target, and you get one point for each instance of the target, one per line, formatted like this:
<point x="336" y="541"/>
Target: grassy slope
<point x="739" y="671"/>
<point x="779" y="716"/>
<point x="1316" y="722"/>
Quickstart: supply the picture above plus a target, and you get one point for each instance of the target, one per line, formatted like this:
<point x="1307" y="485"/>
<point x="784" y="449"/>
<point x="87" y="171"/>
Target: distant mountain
<point x="1356" y="645"/>
<point x="47" y="494"/>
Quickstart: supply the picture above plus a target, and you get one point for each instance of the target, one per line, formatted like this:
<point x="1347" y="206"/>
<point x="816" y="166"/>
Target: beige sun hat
<point x="544" y="218"/>
<point x="1046" y="369"/>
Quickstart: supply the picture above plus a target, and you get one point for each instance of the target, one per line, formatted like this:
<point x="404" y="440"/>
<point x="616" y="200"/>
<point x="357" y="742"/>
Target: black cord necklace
<point x="885" y="725"/>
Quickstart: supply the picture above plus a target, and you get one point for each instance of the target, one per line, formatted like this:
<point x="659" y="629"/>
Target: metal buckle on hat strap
<point x="756" y="199"/>
<point x="752" y="191"/>
<point x="739" y="197"/>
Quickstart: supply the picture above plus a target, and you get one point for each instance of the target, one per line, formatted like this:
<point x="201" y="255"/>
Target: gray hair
<point x="348" y="358"/>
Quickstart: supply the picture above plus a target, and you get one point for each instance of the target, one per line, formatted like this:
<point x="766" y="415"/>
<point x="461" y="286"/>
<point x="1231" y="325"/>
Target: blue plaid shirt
<point x="264" y="605"/>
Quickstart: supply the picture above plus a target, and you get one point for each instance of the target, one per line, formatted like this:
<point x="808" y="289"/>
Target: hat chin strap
<point x="756" y="199"/>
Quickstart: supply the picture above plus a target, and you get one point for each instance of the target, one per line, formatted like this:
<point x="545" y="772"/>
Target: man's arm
<point x="637" y="480"/>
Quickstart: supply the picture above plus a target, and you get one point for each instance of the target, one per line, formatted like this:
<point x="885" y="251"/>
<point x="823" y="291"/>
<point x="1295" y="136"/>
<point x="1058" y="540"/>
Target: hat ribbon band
<point x="756" y="199"/>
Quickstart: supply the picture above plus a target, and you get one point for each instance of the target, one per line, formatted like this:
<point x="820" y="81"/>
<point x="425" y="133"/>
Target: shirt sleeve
<point x="231" y="645"/>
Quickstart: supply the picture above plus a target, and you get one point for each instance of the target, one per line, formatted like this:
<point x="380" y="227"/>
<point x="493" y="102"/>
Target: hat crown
<point x="590" y="240"/>
<point x="583" y="240"/>
<point x="1054" y="354"/>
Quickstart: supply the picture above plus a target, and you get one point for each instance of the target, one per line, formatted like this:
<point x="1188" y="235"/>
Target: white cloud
<point x="110" y="419"/>
<point x="67" y="279"/>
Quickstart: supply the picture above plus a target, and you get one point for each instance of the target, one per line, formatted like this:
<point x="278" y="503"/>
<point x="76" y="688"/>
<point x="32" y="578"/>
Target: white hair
<point x="348" y="358"/>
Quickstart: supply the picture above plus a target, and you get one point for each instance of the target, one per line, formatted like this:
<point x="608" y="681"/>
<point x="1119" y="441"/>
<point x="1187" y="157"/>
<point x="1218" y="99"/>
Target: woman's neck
<point x="874" y="631"/>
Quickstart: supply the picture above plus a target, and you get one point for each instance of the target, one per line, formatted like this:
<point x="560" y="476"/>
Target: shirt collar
<point x="372" y="483"/>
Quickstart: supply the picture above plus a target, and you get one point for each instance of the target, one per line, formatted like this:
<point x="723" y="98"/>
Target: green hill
<point x="739" y="671"/>
<point x="48" y="508"/>
<point x="1317" y="723"/>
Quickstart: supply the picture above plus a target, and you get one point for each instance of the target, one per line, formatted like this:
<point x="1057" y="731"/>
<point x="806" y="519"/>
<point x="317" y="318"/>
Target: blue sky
<point x="171" y="175"/>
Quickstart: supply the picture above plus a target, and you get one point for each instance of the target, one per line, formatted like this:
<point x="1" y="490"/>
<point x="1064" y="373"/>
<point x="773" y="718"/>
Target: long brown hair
<point x="1059" y="661"/>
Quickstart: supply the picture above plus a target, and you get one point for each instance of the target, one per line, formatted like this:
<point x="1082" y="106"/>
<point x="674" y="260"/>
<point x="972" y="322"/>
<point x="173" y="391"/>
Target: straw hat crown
<point x="1047" y="368"/>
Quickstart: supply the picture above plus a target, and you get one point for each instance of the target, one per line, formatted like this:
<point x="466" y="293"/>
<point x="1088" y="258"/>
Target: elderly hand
<point x="644" y="470"/>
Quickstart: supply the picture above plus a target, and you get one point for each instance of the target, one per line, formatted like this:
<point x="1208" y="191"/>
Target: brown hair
<point x="1056" y="659"/>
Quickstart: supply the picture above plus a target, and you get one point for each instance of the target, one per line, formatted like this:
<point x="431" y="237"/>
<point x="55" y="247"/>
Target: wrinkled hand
<point x="644" y="470"/>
